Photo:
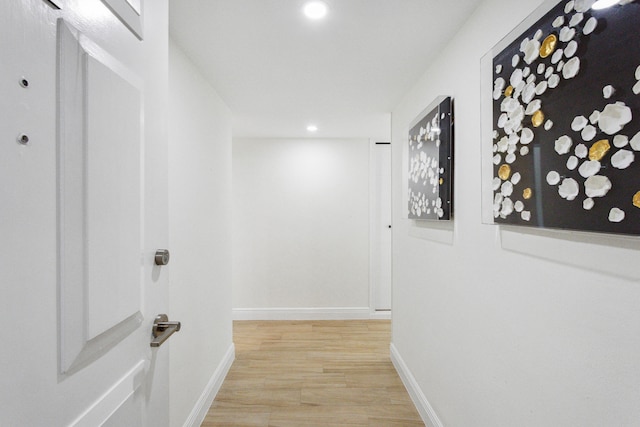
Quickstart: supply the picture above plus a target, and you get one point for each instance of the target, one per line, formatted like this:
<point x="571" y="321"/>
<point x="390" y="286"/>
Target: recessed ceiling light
<point x="603" y="4"/>
<point x="312" y="128"/>
<point x="315" y="9"/>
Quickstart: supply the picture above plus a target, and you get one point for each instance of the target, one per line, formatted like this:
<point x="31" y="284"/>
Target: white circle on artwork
<point x="553" y="178"/>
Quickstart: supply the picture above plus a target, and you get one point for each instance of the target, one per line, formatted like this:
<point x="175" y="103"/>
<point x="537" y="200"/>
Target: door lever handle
<point x="163" y="329"/>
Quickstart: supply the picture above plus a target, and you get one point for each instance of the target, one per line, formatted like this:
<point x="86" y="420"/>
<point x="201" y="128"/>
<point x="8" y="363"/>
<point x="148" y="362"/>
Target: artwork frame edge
<point x="437" y="103"/>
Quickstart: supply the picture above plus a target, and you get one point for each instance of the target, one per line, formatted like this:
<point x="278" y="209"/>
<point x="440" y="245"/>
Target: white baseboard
<point x="380" y="315"/>
<point x="201" y="408"/>
<point x="426" y="411"/>
<point x="333" y="313"/>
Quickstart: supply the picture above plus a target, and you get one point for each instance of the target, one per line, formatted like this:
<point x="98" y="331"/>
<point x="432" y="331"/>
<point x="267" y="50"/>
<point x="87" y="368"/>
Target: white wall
<point x="200" y="235"/>
<point x="507" y="327"/>
<point x="301" y="226"/>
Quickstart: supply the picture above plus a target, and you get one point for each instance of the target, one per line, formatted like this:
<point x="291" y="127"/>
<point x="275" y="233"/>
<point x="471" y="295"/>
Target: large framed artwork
<point x="561" y="119"/>
<point x="430" y="149"/>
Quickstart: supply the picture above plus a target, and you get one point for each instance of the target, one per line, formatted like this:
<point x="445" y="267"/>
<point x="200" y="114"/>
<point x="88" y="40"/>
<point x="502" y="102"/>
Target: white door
<point x="381" y="227"/>
<point x="83" y="204"/>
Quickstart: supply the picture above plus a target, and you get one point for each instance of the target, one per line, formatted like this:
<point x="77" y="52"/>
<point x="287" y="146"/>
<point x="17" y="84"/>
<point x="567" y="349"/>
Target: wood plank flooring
<point x="312" y="373"/>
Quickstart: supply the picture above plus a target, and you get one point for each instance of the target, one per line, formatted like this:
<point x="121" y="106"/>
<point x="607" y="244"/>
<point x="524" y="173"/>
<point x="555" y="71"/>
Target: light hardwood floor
<point x="312" y="373"/>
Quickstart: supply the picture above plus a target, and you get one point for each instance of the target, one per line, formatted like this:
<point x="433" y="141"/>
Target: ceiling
<point x="278" y="71"/>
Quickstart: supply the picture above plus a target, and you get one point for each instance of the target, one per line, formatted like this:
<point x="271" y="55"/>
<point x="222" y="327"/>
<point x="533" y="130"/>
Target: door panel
<point x="113" y="222"/>
<point x="118" y="406"/>
<point x="100" y="224"/>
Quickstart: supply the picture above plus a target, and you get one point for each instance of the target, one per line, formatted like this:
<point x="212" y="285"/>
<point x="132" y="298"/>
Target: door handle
<point x="163" y="329"/>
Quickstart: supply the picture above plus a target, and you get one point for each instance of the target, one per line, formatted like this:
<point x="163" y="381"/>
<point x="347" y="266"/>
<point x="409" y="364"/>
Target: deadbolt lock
<point x="162" y="257"/>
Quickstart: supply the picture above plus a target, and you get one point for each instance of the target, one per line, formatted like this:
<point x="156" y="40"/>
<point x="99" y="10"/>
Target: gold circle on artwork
<point x="599" y="149"/>
<point x="508" y="91"/>
<point x="548" y="45"/>
<point x="504" y="172"/>
<point x="527" y="193"/>
<point x="537" y="119"/>
<point x="636" y="200"/>
<point x="441" y="181"/>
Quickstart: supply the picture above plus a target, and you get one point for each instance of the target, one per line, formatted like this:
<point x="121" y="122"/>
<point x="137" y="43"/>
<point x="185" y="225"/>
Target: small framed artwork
<point x="561" y="119"/>
<point x="430" y="152"/>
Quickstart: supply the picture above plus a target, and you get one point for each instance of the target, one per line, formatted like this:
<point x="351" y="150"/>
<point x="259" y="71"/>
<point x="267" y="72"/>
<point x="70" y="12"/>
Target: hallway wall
<point x="300" y="227"/>
<point x="200" y="237"/>
<point x="507" y="326"/>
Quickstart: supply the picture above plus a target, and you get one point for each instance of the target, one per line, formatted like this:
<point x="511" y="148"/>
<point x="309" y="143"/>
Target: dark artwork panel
<point x="566" y="120"/>
<point x="431" y="164"/>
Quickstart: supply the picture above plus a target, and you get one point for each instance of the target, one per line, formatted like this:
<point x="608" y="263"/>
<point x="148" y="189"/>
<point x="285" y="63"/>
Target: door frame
<point x="374" y="230"/>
